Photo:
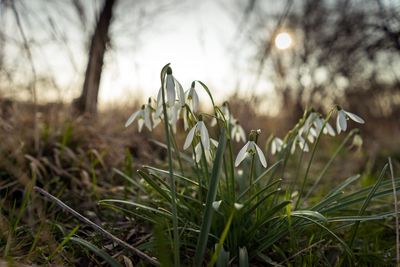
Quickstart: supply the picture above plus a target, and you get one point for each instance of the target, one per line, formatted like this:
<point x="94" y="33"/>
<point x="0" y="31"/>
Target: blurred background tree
<point x="342" y="51"/>
<point x="87" y="102"/>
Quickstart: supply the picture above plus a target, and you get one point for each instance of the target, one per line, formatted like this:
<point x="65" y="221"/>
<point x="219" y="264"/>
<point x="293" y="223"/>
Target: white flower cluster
<point x="177" y="100"/>
<point x="312" y="127"/>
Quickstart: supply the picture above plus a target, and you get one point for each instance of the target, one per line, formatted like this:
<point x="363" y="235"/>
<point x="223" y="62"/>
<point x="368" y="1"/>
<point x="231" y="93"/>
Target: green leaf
<point x="154" y="185"/>
<point x="136" y="205"/>
<point x="211" y="194"/>
<point x="310" y="213"/>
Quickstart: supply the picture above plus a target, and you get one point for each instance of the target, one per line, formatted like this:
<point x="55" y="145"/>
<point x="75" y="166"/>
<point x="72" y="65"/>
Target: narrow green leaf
<point x="136" y="205"/>
<point x="65" y="241"/>
<point x="366" y="203"/>
<point x="211" y="194"/>
<point x="154" y="185"/>
<point x="222" y="240"/>
<point x="310" y="213"/>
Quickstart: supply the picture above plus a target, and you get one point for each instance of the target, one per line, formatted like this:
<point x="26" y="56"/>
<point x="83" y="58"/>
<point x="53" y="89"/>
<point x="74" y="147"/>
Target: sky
<point x="198" y="38"/>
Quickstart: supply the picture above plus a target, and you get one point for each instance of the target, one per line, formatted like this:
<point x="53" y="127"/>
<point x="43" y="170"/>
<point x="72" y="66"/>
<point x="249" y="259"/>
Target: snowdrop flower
<point x="216" y="205"/>
<point x="238" y="133"/>
<point x="192" y="99"/>
<point x="328" y="129"/>
<point x="207" y="152"/>
<point x="199" y="129"/>
<point x="150" y="111"/>
<point x="173" y="115"/>
<point x="276" y="145"/>
<point x="143" y="116"/>
<point x="238" y="206"/>
<point x="250" y="148"/>
<point x="343" y="116"/>
<point x="172" y="89"/>
<point x="301" y="142"/>
<point x="312" y="135"/>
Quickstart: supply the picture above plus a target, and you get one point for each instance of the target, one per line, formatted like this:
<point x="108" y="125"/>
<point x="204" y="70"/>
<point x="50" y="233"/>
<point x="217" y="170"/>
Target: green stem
<point x="171" y="173"/>
<point x="311" y="160"/>
<point x="178" y="154"/>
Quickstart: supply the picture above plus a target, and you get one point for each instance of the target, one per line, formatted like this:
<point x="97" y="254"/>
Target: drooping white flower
<point x="216" y="205"/>
<point x="328" y="129"/>
<point x="238" y="206"/>
<point x="192" y="99"/>
<point x="200" y="130"/>
<point x="238" y="133"/>
<point x="143" y="116"/>
<point x="343" y="116"/>
<point x="250" y="148"/>
<point x="198" y="151"/>
<point x="173" y="115"/>
<point x="173" y="90"/>
<point x="301" y="142"/>
<point x="276" y="145"/>
<point x="312" y="134"/>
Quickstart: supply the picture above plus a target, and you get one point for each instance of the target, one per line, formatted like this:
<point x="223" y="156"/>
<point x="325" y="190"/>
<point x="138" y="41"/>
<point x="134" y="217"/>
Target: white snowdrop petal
<point x="159" y="97"/>
<point x="338" y="125"/>
<point x="319" y="123"/>
<point x="147" y="118"/>
<point x="242" y="134"/>
<point x="181" y="93"/>
<point x="261" y="156"/>
<point x="189" y="137"/>
<point x="242" y="154"/>
<point x="140" y="123"/>
<point x="214" y="142"/>
<point x="216" y="205"/>
<point x="273" y="147"/>
<point x="355" y="117"/>
<point x="170" y="86"/>
<point x="311" y="138"/>
<point x="132" y="118"/>
<point x="205" y="140"/>
<point x="213" y="122"/>
<point x="305" y="147"/>
<point x="196" y="101"/>
<point x="238" y="206"/>
<point x="293" y="148"/>
<point x="330" y="129"/>
<point x="314" y="132"/>
<point x="197" y="150"/>
<point x="342" y="120"/>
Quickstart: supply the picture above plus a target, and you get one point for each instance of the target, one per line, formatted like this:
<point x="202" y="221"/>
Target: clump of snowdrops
<point x="215" y="206"/>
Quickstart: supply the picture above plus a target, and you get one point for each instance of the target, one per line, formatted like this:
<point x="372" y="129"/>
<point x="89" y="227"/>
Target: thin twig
<point x="396" y="211"/>
<point x="96" y="227"/>
<point x="33" y="83"/>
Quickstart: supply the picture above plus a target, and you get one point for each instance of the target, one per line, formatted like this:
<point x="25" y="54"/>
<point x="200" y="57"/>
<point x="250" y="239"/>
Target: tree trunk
<point x="87" y="102"/>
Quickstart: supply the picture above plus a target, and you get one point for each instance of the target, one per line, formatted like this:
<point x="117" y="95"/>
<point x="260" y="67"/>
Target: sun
<point x="283" y="41"/>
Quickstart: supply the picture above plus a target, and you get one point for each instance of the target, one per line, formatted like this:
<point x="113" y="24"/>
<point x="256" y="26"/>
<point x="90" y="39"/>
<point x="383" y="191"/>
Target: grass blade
<point x="208" y="210"/>
<point x="366" y="202"/>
